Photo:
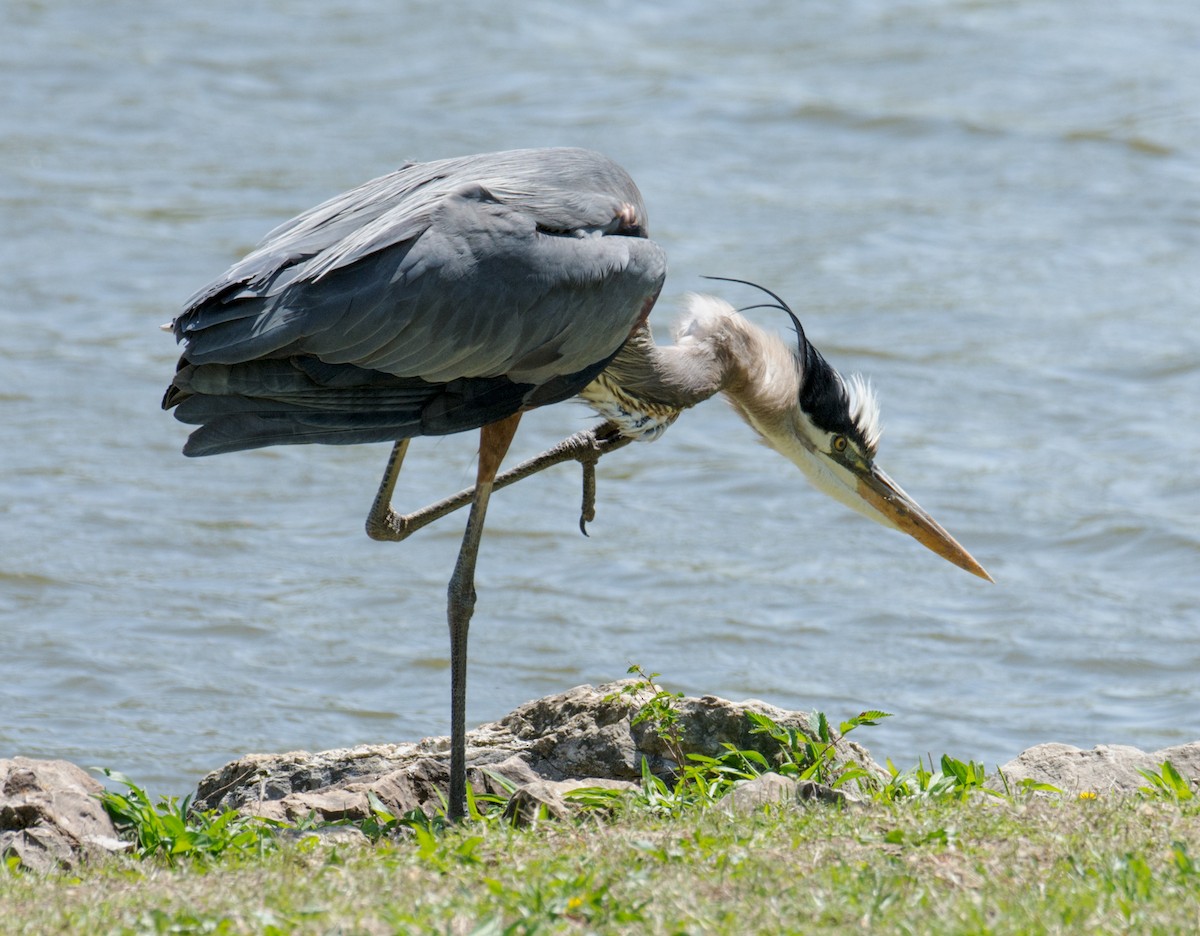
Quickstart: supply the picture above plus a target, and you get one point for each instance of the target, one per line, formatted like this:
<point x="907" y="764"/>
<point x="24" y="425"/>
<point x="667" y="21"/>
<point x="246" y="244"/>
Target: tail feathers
<point x="297" y="401"/>
<point x="211" y="390"/>
<point x="241" y="431"/>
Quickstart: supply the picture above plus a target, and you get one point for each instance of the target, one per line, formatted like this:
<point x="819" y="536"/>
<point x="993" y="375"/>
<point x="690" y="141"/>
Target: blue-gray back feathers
<point x="441" y="297"/>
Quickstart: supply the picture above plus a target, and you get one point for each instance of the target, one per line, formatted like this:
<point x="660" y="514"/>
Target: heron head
<point x="828" y="426"/>
<point x="833" y="436"/>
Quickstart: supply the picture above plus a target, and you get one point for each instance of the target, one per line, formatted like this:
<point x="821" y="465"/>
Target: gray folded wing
<point x="437" y="298"/>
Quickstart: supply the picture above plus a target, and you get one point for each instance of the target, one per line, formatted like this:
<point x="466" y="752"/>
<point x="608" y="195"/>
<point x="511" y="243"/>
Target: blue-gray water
<point x="993" y="209"/>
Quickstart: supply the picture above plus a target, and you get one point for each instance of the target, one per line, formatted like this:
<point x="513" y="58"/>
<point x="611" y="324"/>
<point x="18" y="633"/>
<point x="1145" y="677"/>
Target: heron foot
<point x="587" y="459"/>
<point x="605" y="438"/>
<point x="587" y="511"/>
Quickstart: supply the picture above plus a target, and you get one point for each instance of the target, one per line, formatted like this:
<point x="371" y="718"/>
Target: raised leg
<point x="383" y="523"/>
<point x="494" y="441"/>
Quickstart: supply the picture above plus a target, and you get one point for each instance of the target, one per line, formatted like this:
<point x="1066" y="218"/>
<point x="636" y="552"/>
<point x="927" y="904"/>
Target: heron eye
<point x="839" y="443"/>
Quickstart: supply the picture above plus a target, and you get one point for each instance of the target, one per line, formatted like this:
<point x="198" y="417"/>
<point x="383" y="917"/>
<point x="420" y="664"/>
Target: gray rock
<point x="582" y="734"/>
<point x="809" y="791"/>
<point x="50" y="816"/>
<point x="500" y="778"/>
<point x="1107" y="768"/>
<point x="547" y="798"/>
<point x="329" y="836"/>
<point x="768" y="789"/>
<point x="772" y="788"/>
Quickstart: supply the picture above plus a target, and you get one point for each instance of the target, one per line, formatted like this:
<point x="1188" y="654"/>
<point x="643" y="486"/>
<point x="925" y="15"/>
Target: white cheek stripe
<point x="828" y="476"/>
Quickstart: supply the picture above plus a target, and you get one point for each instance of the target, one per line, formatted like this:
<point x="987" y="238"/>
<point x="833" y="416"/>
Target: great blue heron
<point x="456" y="295"/>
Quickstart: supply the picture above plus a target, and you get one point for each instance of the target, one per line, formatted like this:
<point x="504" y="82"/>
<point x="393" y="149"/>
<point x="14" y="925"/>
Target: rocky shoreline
<point x="50" y="815"/>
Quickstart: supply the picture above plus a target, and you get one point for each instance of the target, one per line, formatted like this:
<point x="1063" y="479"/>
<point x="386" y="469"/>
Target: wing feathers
<point x="475" y="280"/>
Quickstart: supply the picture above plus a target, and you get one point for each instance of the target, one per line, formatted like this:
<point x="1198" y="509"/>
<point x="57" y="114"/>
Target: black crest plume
<point x="822" y="391"/>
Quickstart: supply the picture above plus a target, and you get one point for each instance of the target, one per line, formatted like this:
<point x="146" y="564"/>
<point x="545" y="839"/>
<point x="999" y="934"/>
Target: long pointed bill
<point x="887" y="497"/>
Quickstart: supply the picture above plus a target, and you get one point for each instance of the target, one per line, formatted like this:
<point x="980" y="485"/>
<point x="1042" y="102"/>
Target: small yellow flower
<point x="576" y="902"/>
<point x="1088" y="795"/>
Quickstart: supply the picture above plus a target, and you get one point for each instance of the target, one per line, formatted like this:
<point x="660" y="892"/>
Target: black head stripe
<point x="823" y="398"/>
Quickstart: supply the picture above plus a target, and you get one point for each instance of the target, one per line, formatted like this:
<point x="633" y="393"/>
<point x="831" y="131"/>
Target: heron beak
<point x="905" y="514"/>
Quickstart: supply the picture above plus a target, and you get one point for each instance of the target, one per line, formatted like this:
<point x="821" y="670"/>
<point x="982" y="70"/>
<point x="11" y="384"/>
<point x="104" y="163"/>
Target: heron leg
<point x="494" y="441"/>
<point x="587" y="447"/>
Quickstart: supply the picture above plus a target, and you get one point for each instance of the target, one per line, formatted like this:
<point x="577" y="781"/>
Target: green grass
<point x="1046" y="864"/>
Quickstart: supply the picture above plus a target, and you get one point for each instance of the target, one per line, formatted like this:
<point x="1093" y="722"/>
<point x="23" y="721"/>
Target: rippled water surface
<point x="993" y="209"/>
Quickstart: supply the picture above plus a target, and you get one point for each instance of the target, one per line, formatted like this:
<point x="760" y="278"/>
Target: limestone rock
<point x="1107" y="768"/>
<point x="765" y="790"/>
<point x="772" y="788"/>
<point x="50" y="816"/>
<point x="809" y="791"/>
<point x="530" y="800"/>
<point x="329" y="836"/>
<point x="582" y="734"/>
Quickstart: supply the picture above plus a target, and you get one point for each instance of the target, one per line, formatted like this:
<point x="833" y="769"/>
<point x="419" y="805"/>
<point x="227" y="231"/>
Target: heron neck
<point x="724" y="353"/>
<point x="761" y="375"/>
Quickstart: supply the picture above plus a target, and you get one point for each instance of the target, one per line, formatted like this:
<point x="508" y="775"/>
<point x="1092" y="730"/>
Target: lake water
<point x="991" y="208"/>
